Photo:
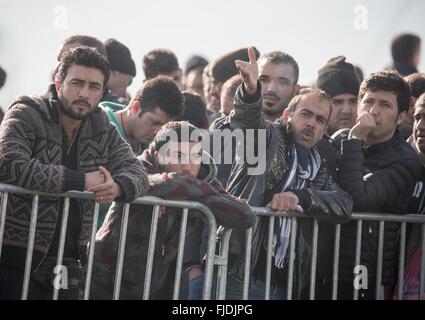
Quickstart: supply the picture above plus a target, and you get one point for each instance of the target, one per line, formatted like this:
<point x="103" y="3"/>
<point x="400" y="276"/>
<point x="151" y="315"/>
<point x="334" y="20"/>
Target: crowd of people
<point x="233" y="133"/>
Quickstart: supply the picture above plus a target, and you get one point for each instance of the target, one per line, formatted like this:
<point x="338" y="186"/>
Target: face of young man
<point x="144" y="128"/>
<point x="118" y="82"/>
<point x="80" y="92"/>
<point x="382" y="105"/>
<point x="277" y="86"/>
<point x="344" y="112"/>
<point x="419" y="128"/>
<point x="308" y="121"/>
<point x="181" y="157"/>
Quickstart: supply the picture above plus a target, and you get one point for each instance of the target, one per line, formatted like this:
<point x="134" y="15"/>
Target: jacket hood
<point x="207" y="172"/>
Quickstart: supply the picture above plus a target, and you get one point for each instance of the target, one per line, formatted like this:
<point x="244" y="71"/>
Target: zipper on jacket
<point x="163" y="250"/>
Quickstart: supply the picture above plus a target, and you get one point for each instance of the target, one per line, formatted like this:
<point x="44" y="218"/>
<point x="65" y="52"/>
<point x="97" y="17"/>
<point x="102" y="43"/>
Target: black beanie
<point x="338" y="77"/>
<point x="119" y="57"/>
<point x="223" y="68"/>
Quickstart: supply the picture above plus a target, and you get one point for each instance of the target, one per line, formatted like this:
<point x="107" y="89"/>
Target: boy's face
<point x="181" y="157"/>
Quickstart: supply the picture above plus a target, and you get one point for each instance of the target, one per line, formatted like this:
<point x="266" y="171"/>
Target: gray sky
<point x="311" y="31"/>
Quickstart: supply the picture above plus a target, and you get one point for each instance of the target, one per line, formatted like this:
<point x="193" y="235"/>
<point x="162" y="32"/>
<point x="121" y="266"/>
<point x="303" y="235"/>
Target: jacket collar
<point x="380" y="147"/>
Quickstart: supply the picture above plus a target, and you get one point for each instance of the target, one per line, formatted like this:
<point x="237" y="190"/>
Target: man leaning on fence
<point x="178" y="169"/>
<point x="379" y="170"/>
<point x="294" y="177"/>
<point x="56" y="143"/>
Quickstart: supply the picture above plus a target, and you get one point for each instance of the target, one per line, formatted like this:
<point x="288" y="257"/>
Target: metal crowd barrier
<point x="359" y="217"/>
<point x="221" y="258"/>
<point x="148" y="200"/>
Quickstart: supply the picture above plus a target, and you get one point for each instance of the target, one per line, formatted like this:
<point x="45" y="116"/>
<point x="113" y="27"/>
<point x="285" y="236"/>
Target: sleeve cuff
<point x="251" y="99"/>
<point x="74" y="180"/>
<point x="304" y="198"/>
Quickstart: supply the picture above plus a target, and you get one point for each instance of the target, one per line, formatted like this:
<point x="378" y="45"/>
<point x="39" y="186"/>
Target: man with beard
<point x="294" y="178"/>
<point x="278" y="75"/>
<point x="56" y="143"/>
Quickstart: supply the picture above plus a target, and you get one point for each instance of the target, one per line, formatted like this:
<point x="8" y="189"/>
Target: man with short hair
<point x="294" y="178"/>
<point x="162" y="62"/>
<point x="123" y="69"/>
<point x="278" y="75"/>
<point x="378" y="169"/>
<point x="54" y="144"/>
<point x="157" y="102"/>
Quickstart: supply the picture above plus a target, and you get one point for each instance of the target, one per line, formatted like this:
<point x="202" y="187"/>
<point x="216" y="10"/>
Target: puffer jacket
<point x="380" y="178"/>
<point x="228" y="210"/>
<point x="322" y="198"/>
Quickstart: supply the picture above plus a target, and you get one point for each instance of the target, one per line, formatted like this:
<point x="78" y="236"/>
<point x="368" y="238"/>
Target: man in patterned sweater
<point x="55" y="143"/>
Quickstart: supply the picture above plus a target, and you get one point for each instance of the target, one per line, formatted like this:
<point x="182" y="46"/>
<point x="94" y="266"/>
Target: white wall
<point x="311" y="31"/>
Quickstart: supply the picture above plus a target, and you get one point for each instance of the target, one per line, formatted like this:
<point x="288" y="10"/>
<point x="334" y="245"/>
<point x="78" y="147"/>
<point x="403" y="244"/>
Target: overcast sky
<point x="311" y="31"/>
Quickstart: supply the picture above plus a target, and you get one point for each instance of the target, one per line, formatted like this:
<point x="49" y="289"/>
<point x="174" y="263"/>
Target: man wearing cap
<point x="339" y="80"/>
<point x="123" y="70"/>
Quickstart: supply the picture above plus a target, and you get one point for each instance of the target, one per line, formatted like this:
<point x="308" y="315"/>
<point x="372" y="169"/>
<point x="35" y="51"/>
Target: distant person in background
<point x="123" y="70"/>
<point x="162" y="62"/>
<point x="193" y="75"/>
<point x="406" y="51"/>
<point x="2" y="81"/>
<point x="416" y="82"/>
<point x="194" y="110"/>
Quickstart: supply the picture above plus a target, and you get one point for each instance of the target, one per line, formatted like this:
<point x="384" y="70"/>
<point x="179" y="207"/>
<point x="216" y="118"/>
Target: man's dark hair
<point x="84" y="56"/>
<point x="159" y="61"/>
<point x="195" y="110"/>
<point x="174" y="129"/>
<point x="404" y="46"/>
<point x="309" y="91"/>
<point x="2" y="77"/>
<point x="388" y="81"/>
<point x="416" y="82"/>
<point x="88" y="41"/>
<point x="161" y="92"/>
<point x="279" y="57"/>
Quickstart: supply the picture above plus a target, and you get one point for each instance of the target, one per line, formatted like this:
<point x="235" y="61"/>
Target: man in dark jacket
<point x="379" y="170"/>
<point x="294" y="177"/>
<point x="184" y="177"/>
<point x="54" y="144"/>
